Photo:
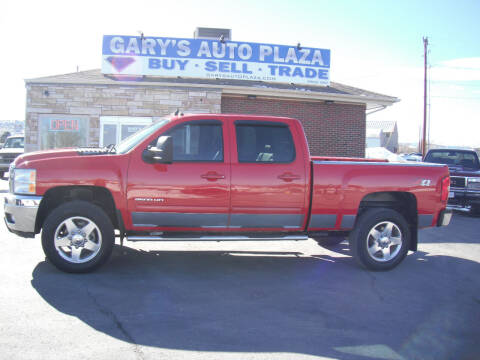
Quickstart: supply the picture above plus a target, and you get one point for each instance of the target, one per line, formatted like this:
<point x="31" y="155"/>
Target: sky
<point x="375" y="45"/>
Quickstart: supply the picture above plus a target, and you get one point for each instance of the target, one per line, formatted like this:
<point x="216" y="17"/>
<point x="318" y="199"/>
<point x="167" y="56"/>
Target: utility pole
<point x="424" y="137"/>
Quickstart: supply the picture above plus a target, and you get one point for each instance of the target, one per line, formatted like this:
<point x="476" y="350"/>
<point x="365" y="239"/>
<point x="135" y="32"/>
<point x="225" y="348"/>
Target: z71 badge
<point x="426" y="182"/>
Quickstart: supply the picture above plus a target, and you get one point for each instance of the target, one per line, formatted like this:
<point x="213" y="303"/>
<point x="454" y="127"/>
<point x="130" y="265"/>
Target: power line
<point x="440" y="65"/>
<point x="447" y="82"/>
<point x="456" y="97"/>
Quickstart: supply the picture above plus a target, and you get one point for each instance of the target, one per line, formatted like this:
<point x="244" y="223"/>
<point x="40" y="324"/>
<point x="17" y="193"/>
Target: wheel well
<point x="62" y="194"/>
<point x="403" y="202"/>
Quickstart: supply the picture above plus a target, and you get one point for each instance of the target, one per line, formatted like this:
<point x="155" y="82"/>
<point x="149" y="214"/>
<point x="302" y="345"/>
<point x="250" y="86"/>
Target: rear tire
<point x="381" y="239"/>
<point x="78" y="237"/>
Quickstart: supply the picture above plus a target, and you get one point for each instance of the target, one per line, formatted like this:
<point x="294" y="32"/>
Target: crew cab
<point x="464" y="176"/>
<point x="220" y="177"/>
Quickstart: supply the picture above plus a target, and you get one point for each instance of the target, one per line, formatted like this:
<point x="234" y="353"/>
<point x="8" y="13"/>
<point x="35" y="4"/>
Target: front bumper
<point x="5" y="162"/>
<point x="21" y="213"/>
<point x="463" y="199"/>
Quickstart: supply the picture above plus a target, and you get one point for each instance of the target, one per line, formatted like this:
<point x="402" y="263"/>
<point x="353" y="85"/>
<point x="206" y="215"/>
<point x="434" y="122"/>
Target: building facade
<point x="382" y="134"/>
<point x="92" y="109"/>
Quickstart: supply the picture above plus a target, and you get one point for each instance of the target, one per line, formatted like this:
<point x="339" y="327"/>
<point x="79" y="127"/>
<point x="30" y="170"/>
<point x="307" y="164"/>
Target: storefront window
<point x="114" y="129"/>
<point x="109" y="134"/>
<point x="59" y="131"/>
<point x="128" y="130"/>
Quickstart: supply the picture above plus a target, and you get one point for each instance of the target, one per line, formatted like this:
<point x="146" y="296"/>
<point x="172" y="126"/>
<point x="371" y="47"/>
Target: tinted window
<point x="453" y="157"/>
<point x="264" y="144"/>
<point x="197" y="142"/>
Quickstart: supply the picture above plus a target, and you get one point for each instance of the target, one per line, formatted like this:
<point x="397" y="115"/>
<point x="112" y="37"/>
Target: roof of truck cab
<point x="230" y="117"/>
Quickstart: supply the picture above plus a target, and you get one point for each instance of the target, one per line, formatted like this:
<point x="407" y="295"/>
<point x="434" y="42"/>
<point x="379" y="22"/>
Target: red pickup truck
<point x="220" y="177"/>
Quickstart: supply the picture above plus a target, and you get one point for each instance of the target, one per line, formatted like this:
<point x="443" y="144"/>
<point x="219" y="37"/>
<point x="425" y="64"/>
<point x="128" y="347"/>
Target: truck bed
<point x="340" y="185"/>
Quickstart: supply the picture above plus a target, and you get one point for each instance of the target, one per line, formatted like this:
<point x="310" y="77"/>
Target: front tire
<point x="475" y="210"/>
<point x="381" y="239"/>
<point x="78" y="237"/>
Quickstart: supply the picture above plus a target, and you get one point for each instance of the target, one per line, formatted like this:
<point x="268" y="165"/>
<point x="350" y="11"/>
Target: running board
<point x="217" y="238"/>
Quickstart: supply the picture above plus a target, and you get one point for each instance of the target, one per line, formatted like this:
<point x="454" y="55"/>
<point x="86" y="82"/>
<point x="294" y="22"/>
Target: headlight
<point x="11" y="170"/>
<point x="473" y="183"/>
<point x="24" y="181"/>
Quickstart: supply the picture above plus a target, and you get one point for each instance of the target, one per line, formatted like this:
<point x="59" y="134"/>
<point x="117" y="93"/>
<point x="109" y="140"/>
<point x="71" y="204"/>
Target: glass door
<point x="114" y="129"/>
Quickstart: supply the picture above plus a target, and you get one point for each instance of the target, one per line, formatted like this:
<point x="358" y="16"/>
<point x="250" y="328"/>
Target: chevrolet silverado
<point x="208" y="177"/>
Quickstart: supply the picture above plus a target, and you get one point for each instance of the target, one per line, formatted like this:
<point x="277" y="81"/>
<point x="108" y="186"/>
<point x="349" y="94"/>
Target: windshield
<point x="453" y="157"/>
<point x="130" y="142"/>
<point x="16" y="142"/>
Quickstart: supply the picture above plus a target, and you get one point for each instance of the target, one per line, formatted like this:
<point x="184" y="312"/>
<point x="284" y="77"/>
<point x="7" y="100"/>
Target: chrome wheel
<point x="384" y="241"/>
<point x="77" y="239"/>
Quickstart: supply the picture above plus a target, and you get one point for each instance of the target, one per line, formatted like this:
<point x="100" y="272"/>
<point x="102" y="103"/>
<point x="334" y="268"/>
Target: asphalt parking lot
<point x="275" y="300"/>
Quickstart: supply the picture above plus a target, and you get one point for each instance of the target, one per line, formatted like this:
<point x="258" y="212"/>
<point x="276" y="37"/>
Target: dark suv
<point x="464" y="176"/>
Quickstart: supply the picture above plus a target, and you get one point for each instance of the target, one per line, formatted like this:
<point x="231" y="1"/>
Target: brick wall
<point x="103" y="100"/>
<point x="331" y="129"/>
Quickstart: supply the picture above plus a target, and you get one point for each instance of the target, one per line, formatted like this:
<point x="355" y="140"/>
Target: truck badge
<point x="425" y="182"/>
<point x="157" y="200"/>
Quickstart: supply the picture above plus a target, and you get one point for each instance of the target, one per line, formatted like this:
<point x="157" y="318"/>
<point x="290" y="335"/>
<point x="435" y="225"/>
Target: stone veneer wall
<point x="116" y="100"/>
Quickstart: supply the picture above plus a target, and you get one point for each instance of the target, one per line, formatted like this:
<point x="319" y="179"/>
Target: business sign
<point x="59" y="131"/>
<point x="211" y="59"/>
<point x="63" y="124"/>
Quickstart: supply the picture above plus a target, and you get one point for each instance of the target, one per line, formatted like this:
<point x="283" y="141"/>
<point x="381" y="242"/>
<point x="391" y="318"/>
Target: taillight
<point x="445" y="188"/>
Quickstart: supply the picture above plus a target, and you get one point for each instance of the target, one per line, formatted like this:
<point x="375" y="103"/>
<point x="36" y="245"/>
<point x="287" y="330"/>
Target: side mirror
<point x="163" y="151"/>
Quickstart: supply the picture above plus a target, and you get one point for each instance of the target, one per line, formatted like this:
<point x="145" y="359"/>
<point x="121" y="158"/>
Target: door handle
<point x="289" y="177"/>
<point x="212" y="176"/>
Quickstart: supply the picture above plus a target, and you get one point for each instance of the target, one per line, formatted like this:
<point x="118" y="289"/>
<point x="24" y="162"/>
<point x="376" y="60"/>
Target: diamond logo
<point x="120" y="63"/>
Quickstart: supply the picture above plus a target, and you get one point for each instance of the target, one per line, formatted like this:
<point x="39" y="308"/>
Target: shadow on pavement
<point x="255" y="302"/>
<point x="463" y="228"/>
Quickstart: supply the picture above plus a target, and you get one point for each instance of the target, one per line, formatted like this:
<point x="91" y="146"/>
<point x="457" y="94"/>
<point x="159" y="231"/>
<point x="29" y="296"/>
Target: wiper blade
<point x="111" y="148"/>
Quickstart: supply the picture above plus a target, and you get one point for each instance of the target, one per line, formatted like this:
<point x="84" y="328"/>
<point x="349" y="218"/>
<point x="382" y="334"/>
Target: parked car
<point x="412" y="157"/>
<point x="4" y="137"/>
<point x="382" y="153"/>
<point x="464" y="169"/>
<point x="13" y="147"/>
<point x="215" y="177"/>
